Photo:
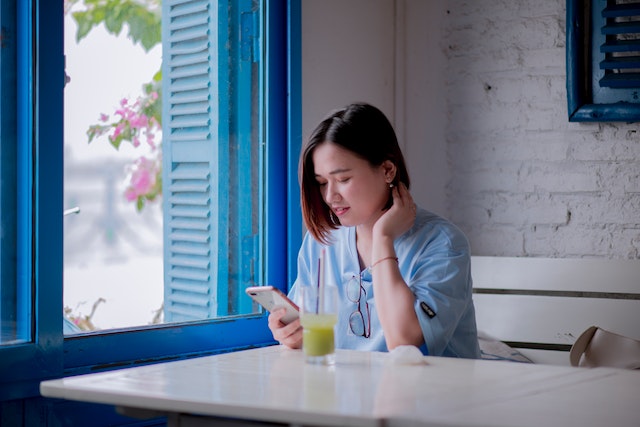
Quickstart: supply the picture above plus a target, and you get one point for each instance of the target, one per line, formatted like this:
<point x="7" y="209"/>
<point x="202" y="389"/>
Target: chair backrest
<point x="542" y="305"/>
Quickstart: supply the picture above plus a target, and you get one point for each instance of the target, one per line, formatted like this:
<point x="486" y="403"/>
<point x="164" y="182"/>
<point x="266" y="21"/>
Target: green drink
<point x="317" y="334"/>
<point x="318" y="316"/>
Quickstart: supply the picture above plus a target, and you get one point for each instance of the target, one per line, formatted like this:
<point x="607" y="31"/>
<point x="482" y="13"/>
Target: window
<point x="210" y="154"/>
<point x="202" y="137"/>
<point x="603" y="60"/>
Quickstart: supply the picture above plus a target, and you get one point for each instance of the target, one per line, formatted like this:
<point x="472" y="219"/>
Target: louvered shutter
<point x="621" y="49"/>
<point x="208" y="144"/>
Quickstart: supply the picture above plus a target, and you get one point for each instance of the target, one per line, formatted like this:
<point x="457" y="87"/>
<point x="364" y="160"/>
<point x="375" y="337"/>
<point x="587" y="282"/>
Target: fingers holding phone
<point x="283" y="320"/>
<point x="289" y="334"/>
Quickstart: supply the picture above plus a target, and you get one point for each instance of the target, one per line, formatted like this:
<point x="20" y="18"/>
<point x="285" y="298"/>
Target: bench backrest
<point x="541" y="305"/>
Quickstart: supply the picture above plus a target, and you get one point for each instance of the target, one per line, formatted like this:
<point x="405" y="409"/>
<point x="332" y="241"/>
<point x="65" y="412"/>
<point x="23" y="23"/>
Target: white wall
<point x="477" y="93"/>
<point x="347" y="56"/>
<point x="381" y="52"/>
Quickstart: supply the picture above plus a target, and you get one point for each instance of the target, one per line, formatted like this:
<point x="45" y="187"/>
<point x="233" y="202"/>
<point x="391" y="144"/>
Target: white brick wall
<point x="524" y="181"/>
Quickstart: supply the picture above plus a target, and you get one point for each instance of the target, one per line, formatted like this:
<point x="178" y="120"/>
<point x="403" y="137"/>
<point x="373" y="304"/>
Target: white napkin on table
<point x="406" y="355"/>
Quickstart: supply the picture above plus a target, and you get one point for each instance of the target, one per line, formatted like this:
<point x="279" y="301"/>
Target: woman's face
<point x="355" y="191"/>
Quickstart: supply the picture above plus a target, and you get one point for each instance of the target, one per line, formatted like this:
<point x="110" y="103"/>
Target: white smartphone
<point x="272" y="299"/>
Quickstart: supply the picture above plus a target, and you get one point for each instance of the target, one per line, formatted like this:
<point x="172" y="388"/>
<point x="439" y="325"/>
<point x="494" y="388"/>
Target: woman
<point x="403" y="273"/>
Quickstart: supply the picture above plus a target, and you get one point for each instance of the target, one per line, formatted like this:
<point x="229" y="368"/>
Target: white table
<point x="365" y="389"/>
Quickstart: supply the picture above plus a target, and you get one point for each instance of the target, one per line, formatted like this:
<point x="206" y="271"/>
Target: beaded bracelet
<point x="383" y="259"/>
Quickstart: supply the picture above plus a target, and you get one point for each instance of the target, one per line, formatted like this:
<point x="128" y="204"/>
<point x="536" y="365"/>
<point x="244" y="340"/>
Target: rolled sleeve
<point x="439" y="274"/>
<point x="442" y="283"/>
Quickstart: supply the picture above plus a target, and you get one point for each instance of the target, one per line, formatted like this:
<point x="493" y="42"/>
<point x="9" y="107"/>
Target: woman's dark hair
<point x="366" y="132"/>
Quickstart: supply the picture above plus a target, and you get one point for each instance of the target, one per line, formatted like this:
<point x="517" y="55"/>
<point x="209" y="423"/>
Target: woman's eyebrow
<point x="335" y="171"/>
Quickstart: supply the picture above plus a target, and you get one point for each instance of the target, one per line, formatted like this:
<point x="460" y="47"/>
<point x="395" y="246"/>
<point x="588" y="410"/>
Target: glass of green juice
<point x="318" y="317"/>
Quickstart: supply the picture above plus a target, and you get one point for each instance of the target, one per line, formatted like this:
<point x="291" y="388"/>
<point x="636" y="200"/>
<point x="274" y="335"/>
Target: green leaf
<point x="113" y="23"/>
<point x="116" y="142"/>
<point x="142" y="19"/>
<point x="85" y="24"/>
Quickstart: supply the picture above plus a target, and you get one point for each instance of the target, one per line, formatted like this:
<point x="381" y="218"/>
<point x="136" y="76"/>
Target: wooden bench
<point x="540" y="306"/>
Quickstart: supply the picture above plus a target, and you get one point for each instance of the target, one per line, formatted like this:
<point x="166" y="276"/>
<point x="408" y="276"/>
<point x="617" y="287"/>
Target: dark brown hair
<point x="365" y="131"/>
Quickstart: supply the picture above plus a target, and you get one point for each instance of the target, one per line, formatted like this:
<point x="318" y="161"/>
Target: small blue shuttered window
<point x="619" y="57"/>
<point x="212" y="156"/>
<point x="603" y="60"/>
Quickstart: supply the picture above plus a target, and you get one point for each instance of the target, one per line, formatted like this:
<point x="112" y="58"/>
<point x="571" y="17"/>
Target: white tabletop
<point x="366" y="389"/>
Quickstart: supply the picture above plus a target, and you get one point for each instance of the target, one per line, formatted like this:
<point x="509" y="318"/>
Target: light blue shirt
<point x="434" y="260"/>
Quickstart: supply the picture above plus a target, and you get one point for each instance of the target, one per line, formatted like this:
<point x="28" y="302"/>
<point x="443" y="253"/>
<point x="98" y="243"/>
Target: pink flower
<point x="151" y="140"/>
<point x="104" y="117"/>
<point x="140" y="121"/>
<point x="142" y="178"/>
<point x="130" y="194"/>
<point x="116" y="132"/>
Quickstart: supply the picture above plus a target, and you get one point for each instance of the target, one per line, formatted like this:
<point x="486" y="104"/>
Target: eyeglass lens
<point x="357" y="321"/>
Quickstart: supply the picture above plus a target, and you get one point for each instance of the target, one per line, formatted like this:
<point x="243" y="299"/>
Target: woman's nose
<point x="331" y="193"/>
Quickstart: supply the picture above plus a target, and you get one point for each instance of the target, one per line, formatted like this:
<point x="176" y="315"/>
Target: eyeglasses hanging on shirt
<point x="359" y="323"/>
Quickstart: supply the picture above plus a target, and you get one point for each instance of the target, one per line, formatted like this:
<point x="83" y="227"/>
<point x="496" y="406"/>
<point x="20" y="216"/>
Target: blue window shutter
<point x="621" y="47"/>
<point x="210" y="142"/>
<point x="603" y="54"/>
<point x="192" y="151"/>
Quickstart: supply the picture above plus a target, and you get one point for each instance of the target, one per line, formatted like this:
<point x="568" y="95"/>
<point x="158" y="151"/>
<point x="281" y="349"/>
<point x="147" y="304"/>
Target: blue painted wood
<point x="246" y="83"/>
<point x="613" y="10"/>
<point x="39" y="199"/>
<point x="586" y="100"/>
<point x="621" y="80"/>
<point x="195" y="147"/>
<point x="275" y="168"/>
<point x="222" y="107"/>
<point x="25" y="140"/>
<point x="117" y="349"/>
<point x="8" y="177"/>
<point x="225" y="146"/>
<point x="625" y="62"/>
<point x="294" y="105"/>
<point x="614" y="46"/>
<point x="615" y="28"/>
<point x="49" y="356"/>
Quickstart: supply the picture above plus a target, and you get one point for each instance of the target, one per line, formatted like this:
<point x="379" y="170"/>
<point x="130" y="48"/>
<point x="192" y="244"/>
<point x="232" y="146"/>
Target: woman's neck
<point x="364" y="238"/>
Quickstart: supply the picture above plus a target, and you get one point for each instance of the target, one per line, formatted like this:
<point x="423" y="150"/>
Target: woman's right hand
<point x="289" y="335"/>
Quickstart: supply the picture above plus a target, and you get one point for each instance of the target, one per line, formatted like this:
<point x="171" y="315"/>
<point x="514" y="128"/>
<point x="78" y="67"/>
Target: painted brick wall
<point x="524" y="181"/>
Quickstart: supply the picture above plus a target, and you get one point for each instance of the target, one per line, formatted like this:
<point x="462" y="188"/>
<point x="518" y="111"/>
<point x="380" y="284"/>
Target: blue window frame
<point x="38" y="189"/>
<point x="11" y="301"/>
<point x="35" y="131"/>
<point x="603" y="60"/>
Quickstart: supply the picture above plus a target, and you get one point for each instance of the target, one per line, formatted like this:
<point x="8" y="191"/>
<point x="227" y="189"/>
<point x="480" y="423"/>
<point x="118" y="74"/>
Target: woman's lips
<point x="340" y="211"/>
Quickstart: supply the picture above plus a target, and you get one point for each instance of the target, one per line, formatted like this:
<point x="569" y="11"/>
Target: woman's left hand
<point x="399" y="217"/>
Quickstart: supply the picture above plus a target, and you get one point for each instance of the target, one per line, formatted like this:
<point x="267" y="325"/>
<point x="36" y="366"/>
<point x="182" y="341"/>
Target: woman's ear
<point x="389" y="169"/>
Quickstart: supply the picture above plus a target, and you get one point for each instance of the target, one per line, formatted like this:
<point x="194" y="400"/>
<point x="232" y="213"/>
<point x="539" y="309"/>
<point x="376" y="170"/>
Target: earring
<point x="391" y="185"/>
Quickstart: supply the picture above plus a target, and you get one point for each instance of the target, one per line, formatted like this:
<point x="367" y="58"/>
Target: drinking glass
<point x="318" y="317"/>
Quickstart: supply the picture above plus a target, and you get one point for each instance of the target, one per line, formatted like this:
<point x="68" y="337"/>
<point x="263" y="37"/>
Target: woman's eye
<point x="322" y="184"/>
<point x="344" y="179"/>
